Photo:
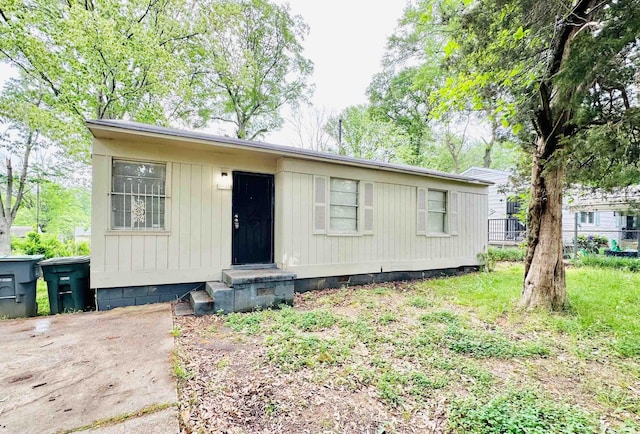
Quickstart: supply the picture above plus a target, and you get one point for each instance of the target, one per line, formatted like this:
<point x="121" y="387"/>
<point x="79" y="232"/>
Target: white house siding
<point x="497" y="200"/>
<point x="604" y="224"/>
<point x="196" y="245"/>
<point x="394" y="244"/>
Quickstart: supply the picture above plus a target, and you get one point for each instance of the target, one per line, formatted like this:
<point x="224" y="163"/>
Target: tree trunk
<point x="488" y="146"/>
<point x="544" y="284"/>
<point x="5" y="237"/>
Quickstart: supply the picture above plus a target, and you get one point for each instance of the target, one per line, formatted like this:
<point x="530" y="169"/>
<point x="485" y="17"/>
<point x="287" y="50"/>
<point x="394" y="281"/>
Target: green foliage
<point x="48" y="245"/>
<point x="293" y="351"/>
<point x="101" y="59"/>
<point x="519" y="411"/>
<point x="461" y="339"/>
<point x="42" y="297"/>
<point x="509" y="254"/>
<point x="366" y="136"/>
<point x="250" y="63"/>
<point x="247" y="323"/>
<point x="61" y="209"/>
<point x="616" y="262"/>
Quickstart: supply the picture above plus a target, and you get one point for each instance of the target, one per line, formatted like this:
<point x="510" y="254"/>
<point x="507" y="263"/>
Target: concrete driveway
<point x="65" y="372"/>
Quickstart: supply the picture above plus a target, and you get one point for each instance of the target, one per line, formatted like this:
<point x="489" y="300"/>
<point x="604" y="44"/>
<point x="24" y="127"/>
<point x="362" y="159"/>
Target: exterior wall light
<point x="224" y="180"/>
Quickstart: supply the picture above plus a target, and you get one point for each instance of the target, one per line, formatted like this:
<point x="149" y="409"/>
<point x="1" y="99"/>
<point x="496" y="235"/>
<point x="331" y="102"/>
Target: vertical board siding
<point x="206" y="216"/>
<point x="195" y="223"/>
<point x="181" y="208"/>
<point x="195" y="238"/>
<point x="137" y="253"/>
<point x="394" y="238"/>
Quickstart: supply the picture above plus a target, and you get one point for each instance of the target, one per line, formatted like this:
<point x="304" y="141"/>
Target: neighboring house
<point x="608" y="216"/>
<point x="173" y="209"/>
<point x="504" y="227"/>
<point x="20" y="231"/>
<point x="82" y="235"/>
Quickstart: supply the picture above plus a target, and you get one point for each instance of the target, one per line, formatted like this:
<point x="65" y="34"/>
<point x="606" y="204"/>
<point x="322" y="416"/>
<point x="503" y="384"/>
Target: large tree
<point x="247" y="64"/>
<point x="98" y="59"/>
<point x="359" y="134"/>
<point x="567" y="72"/>
<point x="79" y="60"/>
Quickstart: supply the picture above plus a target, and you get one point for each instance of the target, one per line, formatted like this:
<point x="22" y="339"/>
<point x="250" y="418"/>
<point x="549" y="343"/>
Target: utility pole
<point x="340" y="136"/>
<point x="38" y="206"/>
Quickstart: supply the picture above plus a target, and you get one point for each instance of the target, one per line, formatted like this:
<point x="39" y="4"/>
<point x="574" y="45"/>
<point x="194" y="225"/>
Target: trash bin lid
<point x="66" y="260"/>
<point x="19" y="258"/>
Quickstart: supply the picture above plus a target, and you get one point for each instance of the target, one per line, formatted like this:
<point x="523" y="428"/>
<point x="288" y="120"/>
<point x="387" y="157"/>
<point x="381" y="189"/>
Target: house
<point x="584" y="212"/>
<point x="175" y="211"/>
<point x="504" y="226"/>
<point x="82" y="235"/>
<point x="20" y="231"/>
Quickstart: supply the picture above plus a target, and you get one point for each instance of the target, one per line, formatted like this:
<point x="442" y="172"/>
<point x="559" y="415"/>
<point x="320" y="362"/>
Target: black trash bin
<point x="18" y="276"/>
<point x="68" y="284"/>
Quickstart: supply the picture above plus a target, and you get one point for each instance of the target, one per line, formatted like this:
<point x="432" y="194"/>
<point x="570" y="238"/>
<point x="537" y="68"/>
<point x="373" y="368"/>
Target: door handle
<point x="236" y="222"/>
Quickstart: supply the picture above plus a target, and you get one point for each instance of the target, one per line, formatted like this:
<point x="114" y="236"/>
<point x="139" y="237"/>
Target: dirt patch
<point x="380" y="358"/>
<point x="232" y="388"/>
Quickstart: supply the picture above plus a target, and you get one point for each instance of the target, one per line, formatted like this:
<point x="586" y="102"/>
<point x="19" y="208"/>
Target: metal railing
<point x="509" y="230"/>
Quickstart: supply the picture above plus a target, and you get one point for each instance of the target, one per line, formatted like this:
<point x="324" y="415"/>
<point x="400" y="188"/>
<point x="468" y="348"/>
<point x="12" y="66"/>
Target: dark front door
<point x="252" y="218"/>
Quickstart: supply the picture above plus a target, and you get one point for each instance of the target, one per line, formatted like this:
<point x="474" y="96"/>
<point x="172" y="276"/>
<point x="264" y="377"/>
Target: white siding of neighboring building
<point x="604" y="224"/>
<point x="497" y="199"/>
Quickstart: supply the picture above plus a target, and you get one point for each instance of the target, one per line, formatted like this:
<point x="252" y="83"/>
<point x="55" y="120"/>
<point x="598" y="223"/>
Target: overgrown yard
<point x="447" y="355"/>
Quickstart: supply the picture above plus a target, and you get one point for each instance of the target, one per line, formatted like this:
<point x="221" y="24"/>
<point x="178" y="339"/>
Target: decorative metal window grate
<point x="138" y="196"/>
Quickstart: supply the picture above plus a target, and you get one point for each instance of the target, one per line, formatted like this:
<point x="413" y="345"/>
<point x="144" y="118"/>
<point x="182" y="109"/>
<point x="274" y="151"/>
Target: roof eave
<point x="111" y="125"/>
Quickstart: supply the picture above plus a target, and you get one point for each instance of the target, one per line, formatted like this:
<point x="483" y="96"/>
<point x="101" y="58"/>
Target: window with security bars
<point x="138" y="195"/>
<point x="343" y="205"/>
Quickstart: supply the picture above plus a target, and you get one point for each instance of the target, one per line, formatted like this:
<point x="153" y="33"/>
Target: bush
<point x="48" y="245"/>
<point x="620" y="263"/>
<point x="510" y="254"/>
<point x="591" y="243"/>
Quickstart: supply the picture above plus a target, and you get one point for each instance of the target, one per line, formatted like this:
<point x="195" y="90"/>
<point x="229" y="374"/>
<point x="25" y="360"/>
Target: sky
<point x="346" y="42"/>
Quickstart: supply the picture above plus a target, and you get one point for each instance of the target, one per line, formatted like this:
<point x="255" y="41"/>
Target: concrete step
<point x="182" y="309"/>
<point x="202" y="303"/>
<point x="241" y="277"/>
<point x="223" y="296"/>
<point x="212" y="287"/>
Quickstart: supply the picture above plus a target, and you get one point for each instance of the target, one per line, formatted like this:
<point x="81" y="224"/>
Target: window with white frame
<point x="437" y="212"/>
<point x="138" y="195"/>
<point x="587" y="217"/>
<point x="343" y="205"/>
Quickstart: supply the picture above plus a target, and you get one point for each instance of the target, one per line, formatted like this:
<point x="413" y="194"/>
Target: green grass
<point x="425" y="341"/>
<point x="509" y="254"/>
<point x="602" y="302"/>
<point x="599" y="261"/>
<point x="522" y="411"/>
<point x="42" y="297"/>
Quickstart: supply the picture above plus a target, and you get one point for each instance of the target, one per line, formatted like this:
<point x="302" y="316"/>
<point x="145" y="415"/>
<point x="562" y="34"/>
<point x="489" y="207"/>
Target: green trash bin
<point x="68" y="284"/>
<point x="18" y="276"/>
